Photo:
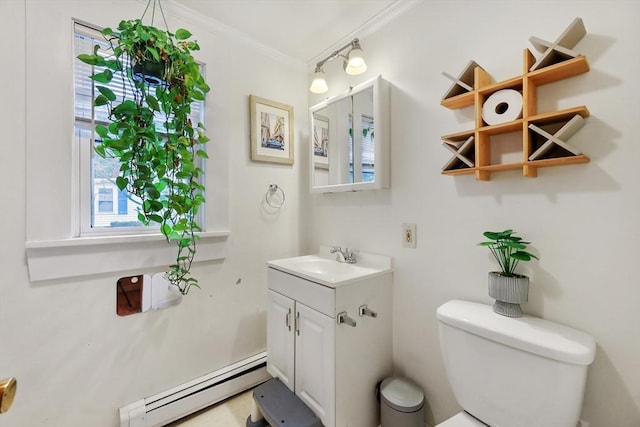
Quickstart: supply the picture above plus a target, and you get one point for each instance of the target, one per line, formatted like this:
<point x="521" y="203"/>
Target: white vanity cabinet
<point x="332" y="367"/>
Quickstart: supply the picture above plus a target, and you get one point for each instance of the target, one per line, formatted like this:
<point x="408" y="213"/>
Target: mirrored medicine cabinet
<point x="350" y="140"/>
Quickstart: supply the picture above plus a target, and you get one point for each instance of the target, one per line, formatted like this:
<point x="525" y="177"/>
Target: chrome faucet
<point x="347" y="255"/>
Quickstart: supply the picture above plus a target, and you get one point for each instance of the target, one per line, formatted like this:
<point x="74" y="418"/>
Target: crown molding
<point x="218" y="28"/>
<point x="221" y="29"/>
<point x="385" y="16"/>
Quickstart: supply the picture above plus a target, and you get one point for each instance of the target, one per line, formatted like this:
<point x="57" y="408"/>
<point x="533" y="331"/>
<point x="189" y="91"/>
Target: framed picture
<point x="271" y="131"/>
<point x="320" y="141"/>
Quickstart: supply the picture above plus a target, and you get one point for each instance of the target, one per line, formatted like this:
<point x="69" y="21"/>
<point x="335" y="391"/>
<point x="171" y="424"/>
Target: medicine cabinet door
<point x="350" y="140"/>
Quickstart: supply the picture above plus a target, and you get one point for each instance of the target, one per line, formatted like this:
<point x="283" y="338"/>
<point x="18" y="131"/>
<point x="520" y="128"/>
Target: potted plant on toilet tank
<point x="150" y="131"/>
<point x="508" y="288"/>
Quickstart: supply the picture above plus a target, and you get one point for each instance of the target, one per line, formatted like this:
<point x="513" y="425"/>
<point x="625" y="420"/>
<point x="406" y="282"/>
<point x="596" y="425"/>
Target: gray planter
<point x="509" y="292"/>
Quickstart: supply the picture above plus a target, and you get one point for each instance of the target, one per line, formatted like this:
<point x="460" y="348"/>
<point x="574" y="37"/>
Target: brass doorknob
<point x="7" y="393"/>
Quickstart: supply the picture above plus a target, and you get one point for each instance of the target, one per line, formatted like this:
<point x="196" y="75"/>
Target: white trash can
<point x="401" y="403"/>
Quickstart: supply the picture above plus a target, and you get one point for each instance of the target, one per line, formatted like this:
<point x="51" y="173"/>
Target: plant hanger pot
<point x="509" y="292"/>
<point x="151" y="72"/>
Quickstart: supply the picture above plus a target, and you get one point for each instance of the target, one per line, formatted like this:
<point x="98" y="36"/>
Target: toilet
<point x="515" y="372"/>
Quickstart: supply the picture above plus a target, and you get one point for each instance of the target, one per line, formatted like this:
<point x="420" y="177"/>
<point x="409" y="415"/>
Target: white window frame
<point x="86" y="204"/>
<point x="54" y="248"/>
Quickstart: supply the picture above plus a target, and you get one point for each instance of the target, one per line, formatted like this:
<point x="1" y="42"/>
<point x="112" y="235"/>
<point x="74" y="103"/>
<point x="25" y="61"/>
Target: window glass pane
<point x="103" y="176"/>
<point x="84" y="86"/>
<point x="105" y="198"/>
<point x="123" y="203"/>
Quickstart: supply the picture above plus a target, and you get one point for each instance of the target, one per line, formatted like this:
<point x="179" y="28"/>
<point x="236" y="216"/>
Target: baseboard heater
<point x="178" y="402"/>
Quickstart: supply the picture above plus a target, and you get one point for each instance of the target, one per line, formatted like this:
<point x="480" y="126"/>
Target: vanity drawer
<point x="311" y="294"/>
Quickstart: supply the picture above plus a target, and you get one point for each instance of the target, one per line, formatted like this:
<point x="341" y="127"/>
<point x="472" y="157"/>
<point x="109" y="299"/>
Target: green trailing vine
<point x="158" y="164"/>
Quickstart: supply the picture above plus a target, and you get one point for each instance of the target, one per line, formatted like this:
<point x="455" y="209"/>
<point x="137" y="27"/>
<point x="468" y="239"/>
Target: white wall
<point x="581" y="219"/>
<point x="76" y="361"/>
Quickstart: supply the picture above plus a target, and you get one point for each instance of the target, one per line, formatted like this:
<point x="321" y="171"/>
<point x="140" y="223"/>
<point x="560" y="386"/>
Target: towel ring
<point x="273" y="188"/>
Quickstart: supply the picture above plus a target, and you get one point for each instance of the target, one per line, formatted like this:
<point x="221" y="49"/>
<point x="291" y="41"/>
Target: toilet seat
<point x="462" y="419"/>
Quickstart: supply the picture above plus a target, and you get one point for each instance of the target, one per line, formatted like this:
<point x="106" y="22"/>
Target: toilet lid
<point x="462" y="419"/>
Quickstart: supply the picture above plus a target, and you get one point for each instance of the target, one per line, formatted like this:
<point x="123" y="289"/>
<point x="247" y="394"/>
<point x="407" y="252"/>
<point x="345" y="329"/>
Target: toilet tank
<point x="514" y="372"/>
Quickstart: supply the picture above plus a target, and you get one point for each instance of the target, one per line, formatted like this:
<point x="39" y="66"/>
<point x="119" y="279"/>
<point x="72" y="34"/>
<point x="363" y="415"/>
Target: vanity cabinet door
<point x="315" y="362"/>
<point x="350" y="140"/>
<point x="280" y="337"/>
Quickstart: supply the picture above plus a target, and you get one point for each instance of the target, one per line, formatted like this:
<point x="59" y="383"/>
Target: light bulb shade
<point x="356" y="64"/>
<point x="319" y="84"/>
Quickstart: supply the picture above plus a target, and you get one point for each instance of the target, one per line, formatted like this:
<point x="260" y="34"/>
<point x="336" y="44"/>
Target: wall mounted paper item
<point x="271" y="131"/>
<point x="502" y="106"/>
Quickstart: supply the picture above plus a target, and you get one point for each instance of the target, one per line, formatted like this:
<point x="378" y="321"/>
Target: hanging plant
<point x="160" y="80"/>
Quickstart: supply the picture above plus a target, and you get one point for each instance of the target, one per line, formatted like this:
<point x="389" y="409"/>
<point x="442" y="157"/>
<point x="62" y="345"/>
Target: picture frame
<point x="320" y="141"/>
<point x="271" y="131"/>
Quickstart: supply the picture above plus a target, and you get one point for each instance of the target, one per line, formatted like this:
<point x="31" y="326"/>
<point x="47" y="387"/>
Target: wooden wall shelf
<point x="538" y="130"/>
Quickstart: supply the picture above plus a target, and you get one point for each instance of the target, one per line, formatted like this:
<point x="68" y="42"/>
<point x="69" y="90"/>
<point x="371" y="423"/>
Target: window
<point x="105" y="200"/>
<point x="55" y="248"/>
<point x="123" y="203"/>
<point x="98" y="211"/>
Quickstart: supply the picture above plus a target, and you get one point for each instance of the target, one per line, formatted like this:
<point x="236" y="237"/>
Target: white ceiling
<point x="301" y="29"/>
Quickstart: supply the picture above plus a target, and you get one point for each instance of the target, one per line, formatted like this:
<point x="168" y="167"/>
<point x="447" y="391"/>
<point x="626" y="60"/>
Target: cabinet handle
<point x="288" y="319"/>
<point x="298" y="323"/>
<point x="344" y="319"/>
<point x="363" y="310"/>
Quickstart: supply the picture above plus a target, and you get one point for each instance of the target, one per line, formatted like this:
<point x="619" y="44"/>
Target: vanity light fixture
<point x="319" y="84"/>
<point x="353" y="64"/>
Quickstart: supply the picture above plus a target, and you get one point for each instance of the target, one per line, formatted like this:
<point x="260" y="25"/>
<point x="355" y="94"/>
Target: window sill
<point x="84" y="256"/>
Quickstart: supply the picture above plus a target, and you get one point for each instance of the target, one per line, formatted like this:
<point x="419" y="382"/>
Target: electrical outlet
<point x="409" y="235"/>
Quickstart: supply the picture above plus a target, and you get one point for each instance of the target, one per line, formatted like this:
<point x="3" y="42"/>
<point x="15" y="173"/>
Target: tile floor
<point x="232" y="412"/>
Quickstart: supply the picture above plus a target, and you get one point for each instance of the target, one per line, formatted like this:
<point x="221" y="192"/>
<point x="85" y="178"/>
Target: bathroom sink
<point x="323" y="267"/>
<point x="331" y="270"/>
